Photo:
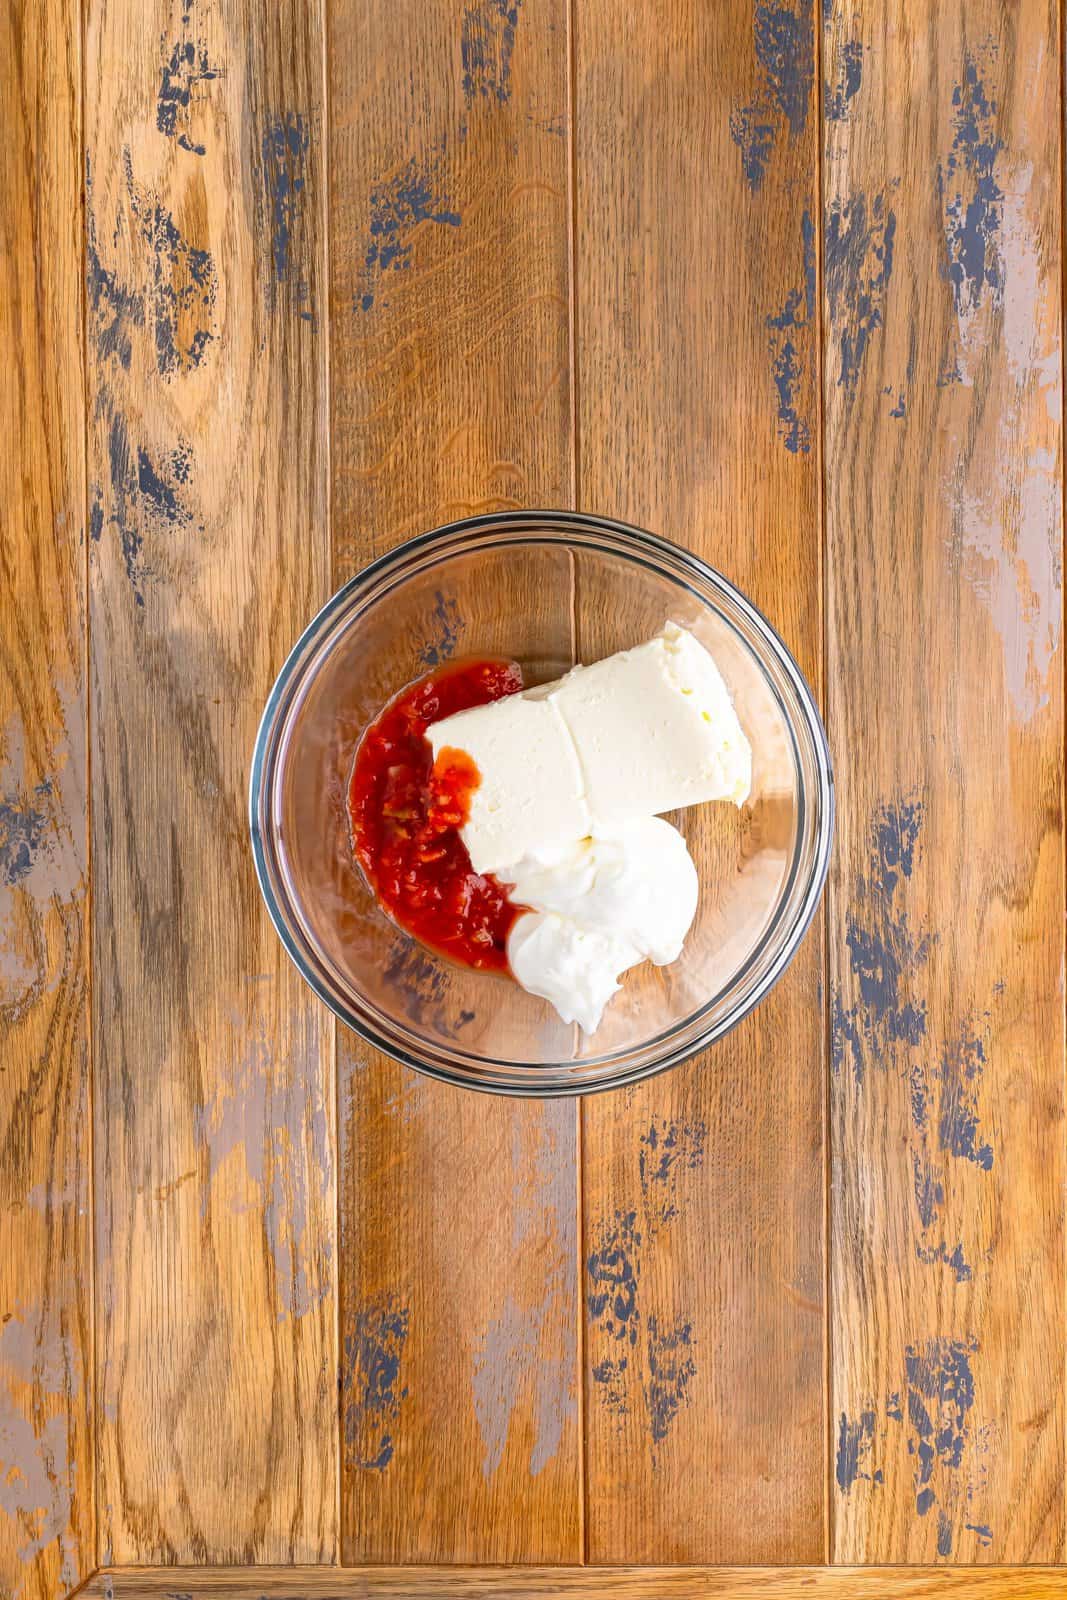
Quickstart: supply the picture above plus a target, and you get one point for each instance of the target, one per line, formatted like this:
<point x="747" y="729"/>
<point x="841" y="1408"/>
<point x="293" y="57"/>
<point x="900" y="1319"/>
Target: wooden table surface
<point x="283" y="282"/>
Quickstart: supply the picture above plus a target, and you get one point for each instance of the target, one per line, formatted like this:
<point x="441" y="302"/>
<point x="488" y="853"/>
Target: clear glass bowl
<point x="547" y="589"/>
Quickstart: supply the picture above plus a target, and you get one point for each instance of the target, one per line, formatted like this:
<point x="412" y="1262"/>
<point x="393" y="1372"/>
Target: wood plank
<point x="451" y="394"/>
<point x="620" y="1583"/>
<point x="207" y="441"/>
<point x="47" y="1530"/>
<point x="697" y="193"/>
<point x="942" y="247"/>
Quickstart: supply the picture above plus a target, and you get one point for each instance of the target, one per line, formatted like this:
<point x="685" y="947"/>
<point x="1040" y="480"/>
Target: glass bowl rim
<point x="556" y="524"/>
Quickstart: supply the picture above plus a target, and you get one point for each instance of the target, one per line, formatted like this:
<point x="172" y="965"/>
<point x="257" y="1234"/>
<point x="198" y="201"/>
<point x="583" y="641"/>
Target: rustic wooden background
<point x="280" y="285"/>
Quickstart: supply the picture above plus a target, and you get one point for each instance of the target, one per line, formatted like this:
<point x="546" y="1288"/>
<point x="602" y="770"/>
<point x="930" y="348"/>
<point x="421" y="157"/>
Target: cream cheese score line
<point x="573" y="777"/>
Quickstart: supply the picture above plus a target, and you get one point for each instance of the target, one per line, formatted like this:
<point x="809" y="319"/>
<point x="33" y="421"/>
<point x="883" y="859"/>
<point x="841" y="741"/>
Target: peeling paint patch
<point x="667" y="1151"/>
<point x="940" y="1398"/>
<point x="1017" y="579"/>
<point x="885" y="953"/>
<point x="847" y="82"/>
<point x="285" y="149"/>
<point x="928" y="1188"/>
<point x="753" y="132"/>
<point x="500" y="1366"/>
<point x="854" y="1440"/>
<point x="610" y="1377"/>
<point x="784" y="42"/>
<point x="971" y="198"/>
<point x="792" y="370"/>
<point x="144" y="493"/>
<point x="37" y="1486"/>
<point x="941" y="1255"/>
<point x="24" y="825"/>
<point x="371" y="1383"/>
<point x="398" y="205"/>
<point x="860" y="234"/>
<point x="785" y="50"/>
<point x="487" y="42"/>
<point x="985" y="1533"/>
<point x="114" y="309"/>
<point x="186" y="67"/>
<point x="612" y="1297"/>
<point x="944" y="1535"/>
<point x="446" y="628"/>
<point x="671" y="1369"/>
<point x="183" y="284"/>
<point x="962" y="1063"/>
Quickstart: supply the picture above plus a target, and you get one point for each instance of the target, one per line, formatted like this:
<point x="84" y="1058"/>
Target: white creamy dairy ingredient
<point x="645" y="731"/>
<point x="576" y="969"/>
<point x="531" y="792"/>
<point x="637" y="880"/>
<point x="655" y="730"/>
<point x="599" y="906"/>
<point x="573" y="774"/>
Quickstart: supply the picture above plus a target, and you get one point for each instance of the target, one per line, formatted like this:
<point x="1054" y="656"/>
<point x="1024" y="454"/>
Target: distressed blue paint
<point x="847" y="83"/>
<point x="668" y="1150"/>
<point x="785" y="50"/>
<point x="892" y="1407"/>
<point x="140" y="490"/>
<point x="123" y="516"/>
<point x="487" y="41"/>
<point x="944" y="1535"/>
<point x="859" y="266"/>
<point x="753" y="134"/>
<point x="160" y="495"/>
<point x="787" y="370"/>
<point x="972" y="200"/>
<point x="928" y="1188"/>
<point x="885" y="954"/>
<point x="397" y="206"/>
<point x="895" y="830"/>
<point x="24" y="824"/>
<point x="612" y="1269"/>
<point x="447" y="629"/>
<point x="854" y="1439"/>
<point x="285" y="146"/>
<point x="371" y="1386"/>
<point x="610" y="1377"/>
<point x="114" y="310"/>
<point x="940" y="1391"/>
<point x="671" y="1369"/>
<point x="187" y="66"/>
<point x="900" y="409"/>
<point x="807" y="236"/>
<point x="940" y="1254"/>
<point x="963" y="1060"/>
<point x="787" y="363"/>
<point x="984" y="1532"/>
<point x="919" y="1096"/>
<point x="183" y="287"/>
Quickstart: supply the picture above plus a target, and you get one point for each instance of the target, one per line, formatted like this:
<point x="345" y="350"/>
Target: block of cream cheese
<point x="655" y="730"/>
<point x="531" y="792"/>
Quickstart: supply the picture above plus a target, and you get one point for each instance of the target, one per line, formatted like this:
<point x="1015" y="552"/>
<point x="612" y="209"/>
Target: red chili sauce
<point x="406" y="812"/>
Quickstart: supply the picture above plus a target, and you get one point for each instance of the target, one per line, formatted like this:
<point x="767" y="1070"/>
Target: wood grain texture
<point x="450" y="395"/>
<point x="214" y="1124"/>
<point x="942" y="245"/>
<point x="620" y="1583"/>
<point x="47" y="1539"/>
<point x="697" y="360"/>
